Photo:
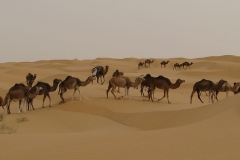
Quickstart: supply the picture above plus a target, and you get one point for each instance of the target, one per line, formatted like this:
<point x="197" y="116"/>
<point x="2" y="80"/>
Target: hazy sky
<point x="32" y="30"/>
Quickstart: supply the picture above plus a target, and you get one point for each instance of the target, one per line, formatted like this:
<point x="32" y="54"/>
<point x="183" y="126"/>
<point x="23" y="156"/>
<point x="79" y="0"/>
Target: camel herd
<point x="176" y="66"/>
<point x="25" y="94"/>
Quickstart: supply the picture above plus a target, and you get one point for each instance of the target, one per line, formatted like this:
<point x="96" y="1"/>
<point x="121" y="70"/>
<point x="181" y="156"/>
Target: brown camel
<point x="46" y="88"/>
<point x="226" y="87"/>
<point x="206" y="85"/>
<point x="163" y="83"/>
<point x="186" y="64"/>
<point x="19" y="93"/>
<point x="140" y="65"/>
<point x="3" y="102"/>
<point x="146" y="83"/>
<point x="73" y="83"/>
<point x="177" y="66"/>
<point x="123" y="82"/>
<point x="117" y="74"/>
<point x="147" y="61"/>
<point x="164" y="63"/>
<point x="235" y="83"/>
<point x="101" y="72"/>
<point x="30" y="78"/>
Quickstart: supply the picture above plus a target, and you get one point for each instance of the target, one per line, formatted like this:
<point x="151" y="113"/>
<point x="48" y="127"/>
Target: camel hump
<point x="148" y="75"/>
<point x="165" y="79"/>
<point x="68" y="77"/>
<point x="96" y="68"/>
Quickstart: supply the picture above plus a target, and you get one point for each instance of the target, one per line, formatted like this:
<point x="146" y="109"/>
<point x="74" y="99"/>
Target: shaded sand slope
<point x="101" y="128"/>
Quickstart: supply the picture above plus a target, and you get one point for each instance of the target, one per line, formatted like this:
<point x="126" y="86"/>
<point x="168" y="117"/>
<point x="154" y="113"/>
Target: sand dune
<point x="101" y="128"/>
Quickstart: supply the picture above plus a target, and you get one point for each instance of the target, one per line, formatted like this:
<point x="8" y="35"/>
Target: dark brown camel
<point x="164" y="63"/>
<point x="19" y="93"/>
<point x="123" y="82"/>
<point x="146" y="83"/>
<point x="206" y="85"/>
<point x="30" y="78"/>
<point x="187" y="65"/>
<point x="235" y="83"/>
<point x="177" y="66"/>
<point x="163" y="83"/>
<point x="140" y="65"/>
<point x="73" y="83"/>
<point x="46" y="88"/>
<point x="101" y="72"/>
<point x="147" y="61"/>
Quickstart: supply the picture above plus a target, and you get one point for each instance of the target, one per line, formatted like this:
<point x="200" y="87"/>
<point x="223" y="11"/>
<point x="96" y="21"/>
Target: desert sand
<point x="98" y="128"/>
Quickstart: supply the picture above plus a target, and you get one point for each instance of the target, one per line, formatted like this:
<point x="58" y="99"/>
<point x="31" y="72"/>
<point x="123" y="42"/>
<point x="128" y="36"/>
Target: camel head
<point x="236" y="87"/>
<point x="91" y="78"/>
<point x="57" y="81"/>
<point x="180" y="81"/>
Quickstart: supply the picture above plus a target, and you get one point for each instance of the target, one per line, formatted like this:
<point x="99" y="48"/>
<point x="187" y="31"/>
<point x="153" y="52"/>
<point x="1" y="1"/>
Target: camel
<point x="187" y="64"/>
<point x="206" y="85"/>
<point x="177" y="66"/>
<point x="226" y="87"/>
<point x="46" y="88"/>
<point x="140" y="65"/>
<point x="18" y="93"/>
<point x="73" y="83"/>
<point x="235" y="83"/>
<point x="116" y="74"/>
<point x="123" y="82"/>
<point x="30" y="78"/>
<point x="99" y="71"/>
<point x="146" y="83"/>
<point x="3" y="102"/>
<point x="164" y="63"/>
<point x="147" y="61"/>
<point x="163" y="83"/>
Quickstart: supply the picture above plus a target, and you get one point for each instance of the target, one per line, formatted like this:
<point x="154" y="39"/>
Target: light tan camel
<point x="140" y="65"/>
<point x="101" y="73"/>
<point x="117" y="74"/>
<point x="19" y="93"/>
<point x="163" y="83"/>
<point x="123" y="82"/>
<point x="30" y="78"/>
<point x="206" y="85"/>
<point x="73" y="83"/>
<point x="226" y="87"/>
<point x="46" y="89"/>
<point x="147" y="61"/>
<point x="164" y="63"/>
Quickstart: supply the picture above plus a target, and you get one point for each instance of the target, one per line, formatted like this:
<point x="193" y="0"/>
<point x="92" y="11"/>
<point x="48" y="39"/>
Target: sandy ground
<point x="98" y="128"/>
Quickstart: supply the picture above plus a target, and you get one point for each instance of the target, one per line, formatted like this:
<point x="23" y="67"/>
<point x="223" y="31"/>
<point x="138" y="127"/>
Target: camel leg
<point x="49" y="100"/>
<point x="73" y="93"/>
<point x="20" y="107"/>
<point x="61" y="94"/>
<point x="128" y="93"/>
<point x="113" y="88"/>
<point x="164" y="94"/>
<point x="79" y="93"/>
<point x="199" y="96"/>
<point x="192" y="96"/>
<point x="109" y="87"/>
<point x="118" y="90"/>
<point x="103" y="79"/>
<point x="227" y="94"/>
<point x="150" y="93"/>
<point x="8" y="107"/>
<point x="168" y="96"/>
<point x="44" y="96"/>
